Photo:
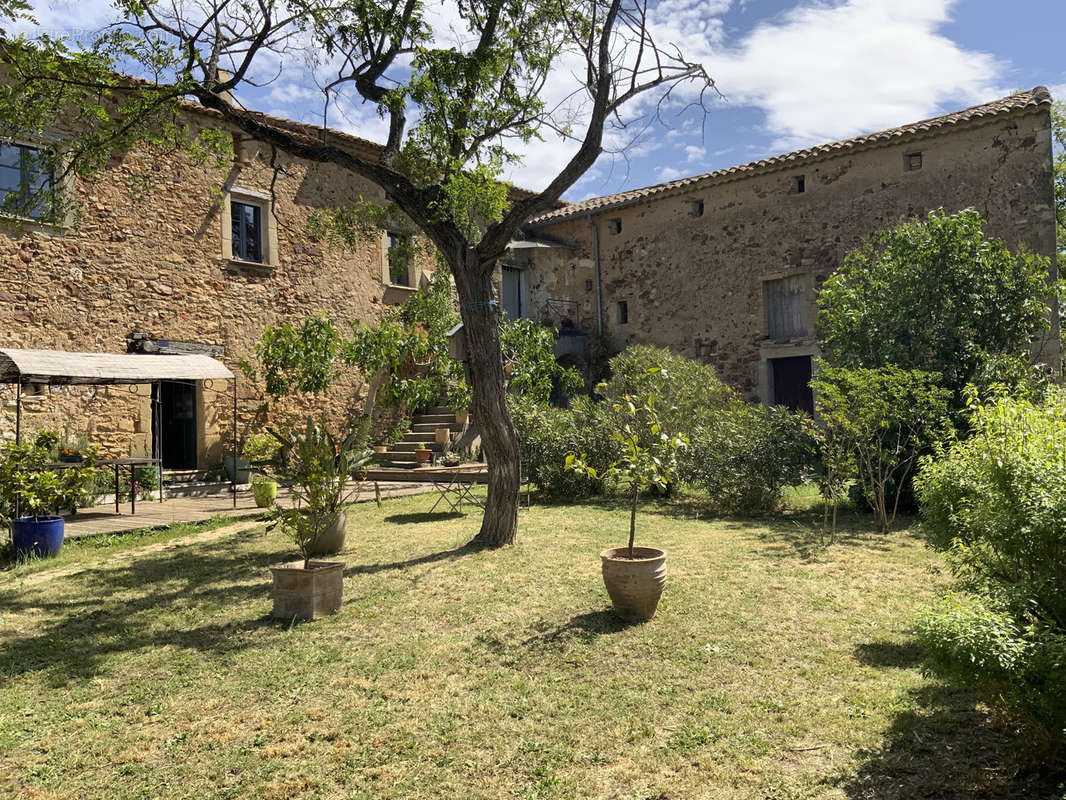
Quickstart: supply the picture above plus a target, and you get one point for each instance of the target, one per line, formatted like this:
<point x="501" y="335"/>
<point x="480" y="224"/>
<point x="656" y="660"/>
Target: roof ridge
<point x="1018" y="101"/>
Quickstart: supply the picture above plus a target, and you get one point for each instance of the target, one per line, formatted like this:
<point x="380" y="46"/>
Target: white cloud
<point x="694" y="153"/>
<point x="669" y="173"/>
<point x="822" y="72"/>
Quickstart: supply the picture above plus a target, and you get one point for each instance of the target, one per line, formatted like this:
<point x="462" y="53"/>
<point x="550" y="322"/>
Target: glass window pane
<point x="246" y="231"/>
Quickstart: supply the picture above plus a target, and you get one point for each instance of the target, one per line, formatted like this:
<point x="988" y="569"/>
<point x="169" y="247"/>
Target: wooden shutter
<point x="786" y="308"/>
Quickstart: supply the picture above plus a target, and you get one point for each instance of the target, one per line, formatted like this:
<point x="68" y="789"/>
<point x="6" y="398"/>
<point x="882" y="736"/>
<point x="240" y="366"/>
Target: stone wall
<point x="695" y="282"/>
<point x="156" y="264"/>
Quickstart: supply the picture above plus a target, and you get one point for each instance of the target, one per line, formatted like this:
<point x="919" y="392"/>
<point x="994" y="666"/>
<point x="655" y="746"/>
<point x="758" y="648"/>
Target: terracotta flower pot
<point x="307" y="593"/>
<point x="634" y="584"/>
<point x="422" y="455"/>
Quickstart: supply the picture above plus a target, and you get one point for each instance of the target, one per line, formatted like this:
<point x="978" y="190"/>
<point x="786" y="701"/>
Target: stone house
<point x="724" y="267"/>
<point x="202" y="262"/>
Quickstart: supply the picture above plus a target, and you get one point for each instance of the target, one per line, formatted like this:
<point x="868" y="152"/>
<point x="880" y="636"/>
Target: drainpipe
<point x="599" y="281"/>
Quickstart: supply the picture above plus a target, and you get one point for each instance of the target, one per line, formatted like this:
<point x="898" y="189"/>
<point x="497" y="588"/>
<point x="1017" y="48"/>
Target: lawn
<point x="773" y="670"/>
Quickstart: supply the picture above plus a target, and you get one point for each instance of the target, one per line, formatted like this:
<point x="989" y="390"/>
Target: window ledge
<point x="237" y="265"/>
<point x="16" y="224"/>
<point x="399" y="287"/>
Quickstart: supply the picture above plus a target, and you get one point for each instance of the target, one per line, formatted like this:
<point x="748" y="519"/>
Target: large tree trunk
<point x="499" y="442"/>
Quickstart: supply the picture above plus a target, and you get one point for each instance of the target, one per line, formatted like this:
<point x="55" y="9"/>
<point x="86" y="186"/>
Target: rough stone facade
<point x="161" y="264"/>
<point x="695" y="260"/>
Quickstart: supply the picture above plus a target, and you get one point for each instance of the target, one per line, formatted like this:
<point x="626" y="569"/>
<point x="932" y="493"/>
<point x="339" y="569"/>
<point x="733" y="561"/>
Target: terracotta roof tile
<point x="1013" y="103"/>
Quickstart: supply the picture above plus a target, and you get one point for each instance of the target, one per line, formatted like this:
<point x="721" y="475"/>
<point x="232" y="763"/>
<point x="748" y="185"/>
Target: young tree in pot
<point x="33" y="494"/>
<point x="635" y="576"/>
<point x="325" y="476"/>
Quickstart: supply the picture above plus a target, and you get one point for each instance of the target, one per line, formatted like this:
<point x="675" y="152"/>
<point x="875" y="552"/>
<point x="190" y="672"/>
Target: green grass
<point x="773" y="670"/>
<point x="87" y="549"/>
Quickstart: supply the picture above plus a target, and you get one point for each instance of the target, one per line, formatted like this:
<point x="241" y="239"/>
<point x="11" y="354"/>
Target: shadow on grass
<point x="122" y="607"/>
<point x="890" y="654"/>
<point x="424" y="516"/>
<point x="580" y="627"/>
<point x="428" y="558"/>
<point x="946" y="747"/>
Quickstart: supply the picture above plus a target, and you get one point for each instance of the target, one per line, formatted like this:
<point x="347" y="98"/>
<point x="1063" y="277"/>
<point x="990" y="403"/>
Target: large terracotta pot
<point x="307" y="593"/>
<point x="332" y="538"/>
<point x="634" y="584"/>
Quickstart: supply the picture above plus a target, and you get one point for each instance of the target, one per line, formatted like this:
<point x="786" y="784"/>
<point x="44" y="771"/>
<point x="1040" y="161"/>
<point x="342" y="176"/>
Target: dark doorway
<point x="177" y="422"/>
<point x="791" y="379"/>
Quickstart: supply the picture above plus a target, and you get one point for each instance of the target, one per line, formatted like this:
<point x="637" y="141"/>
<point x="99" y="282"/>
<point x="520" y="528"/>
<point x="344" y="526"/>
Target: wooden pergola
<point x="61" y="368"/>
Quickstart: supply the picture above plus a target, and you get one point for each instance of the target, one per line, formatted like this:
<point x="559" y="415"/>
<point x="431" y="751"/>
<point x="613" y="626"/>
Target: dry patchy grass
<point x="773" y="670"/>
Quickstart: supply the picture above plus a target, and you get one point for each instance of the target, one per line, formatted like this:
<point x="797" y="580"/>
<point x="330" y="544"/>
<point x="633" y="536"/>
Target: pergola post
<point x="18" y="412"/>
<point x="233" y="474"/>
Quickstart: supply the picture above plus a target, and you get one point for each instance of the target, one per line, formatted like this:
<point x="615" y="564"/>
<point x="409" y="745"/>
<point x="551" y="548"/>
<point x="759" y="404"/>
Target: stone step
<point x="410" y="447"/>
<point x="414" y="436"/>
<point x="426" y="419"/>
<point x="198" y="489"/>
<point x="402" y="464"/>
<point x="439" y="410"/>
<point x="430" y="427"/>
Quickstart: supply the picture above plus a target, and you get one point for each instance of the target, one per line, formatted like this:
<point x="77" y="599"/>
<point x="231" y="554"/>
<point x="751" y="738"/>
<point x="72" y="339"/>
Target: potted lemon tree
<point x="325" y="475"/>
<point x="32" y="493"/>
<point x="635" y="576"/>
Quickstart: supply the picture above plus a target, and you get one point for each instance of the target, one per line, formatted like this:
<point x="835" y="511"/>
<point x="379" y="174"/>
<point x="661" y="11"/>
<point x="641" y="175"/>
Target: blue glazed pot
<point x="42" y="536"/>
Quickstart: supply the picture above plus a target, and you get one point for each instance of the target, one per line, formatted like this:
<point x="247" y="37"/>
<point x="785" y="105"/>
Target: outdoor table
<point x="118" y="463"/>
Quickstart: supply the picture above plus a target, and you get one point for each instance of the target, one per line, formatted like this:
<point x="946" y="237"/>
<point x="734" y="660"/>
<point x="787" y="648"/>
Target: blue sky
<point x="792" y="74"/>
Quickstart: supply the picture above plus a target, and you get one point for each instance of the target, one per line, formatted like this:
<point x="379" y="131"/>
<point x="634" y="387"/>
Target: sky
<point x="791" y="74"/>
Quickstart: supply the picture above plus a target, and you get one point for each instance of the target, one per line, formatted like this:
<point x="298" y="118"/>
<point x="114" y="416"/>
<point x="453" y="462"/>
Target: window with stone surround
<point x="27" y="182"/>
<point x="249" y="230"/>
<point x="399" y="259"/>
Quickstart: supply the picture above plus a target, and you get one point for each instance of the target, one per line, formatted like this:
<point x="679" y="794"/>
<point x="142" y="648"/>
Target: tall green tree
<point x="937" y="295"/>
<point x="455" y="113"/>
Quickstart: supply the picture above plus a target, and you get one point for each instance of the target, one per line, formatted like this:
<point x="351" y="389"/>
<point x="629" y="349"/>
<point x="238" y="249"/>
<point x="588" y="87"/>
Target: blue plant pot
<point x="41" y="536"/>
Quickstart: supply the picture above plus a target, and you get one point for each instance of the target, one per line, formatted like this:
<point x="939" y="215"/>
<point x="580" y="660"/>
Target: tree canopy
<point x="457" y="102"/>
<point x="937" y="295"/>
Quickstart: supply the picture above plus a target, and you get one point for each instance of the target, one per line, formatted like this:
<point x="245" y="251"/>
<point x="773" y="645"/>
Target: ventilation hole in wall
<point x="614" y="225"/>
<point x="799" y="184"/>
<point x="912" y="161"/>
<point x="623" y="312"/>
<point x="695" y="208"/>
<point x="588" y="285"/>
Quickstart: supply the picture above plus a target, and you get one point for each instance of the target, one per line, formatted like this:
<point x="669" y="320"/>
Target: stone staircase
<point x="422" y="433"/>
<point x="193" y="483"/>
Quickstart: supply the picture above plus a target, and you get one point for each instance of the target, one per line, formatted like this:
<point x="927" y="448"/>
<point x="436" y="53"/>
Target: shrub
<point x="547" y="435"/>
<point x="748" y="455"/>
<point x="886" y="418"/>
<point x="689" y="393"/>
<point x="996" y="503"/>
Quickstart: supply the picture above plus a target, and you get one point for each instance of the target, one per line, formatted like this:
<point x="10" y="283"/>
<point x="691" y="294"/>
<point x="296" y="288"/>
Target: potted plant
<point x="423" y="454"/>
<point x="325" y="476"/>
<point x="261" y="451"/>
<point x="34" y="494"/>
<point x="264" y="490"/>
<point x="635" y="576"/>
